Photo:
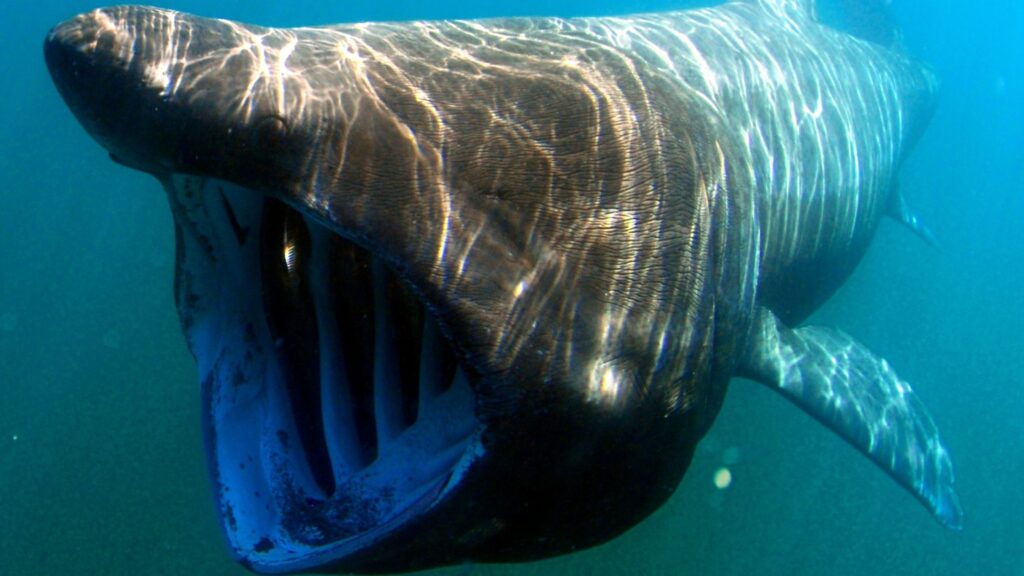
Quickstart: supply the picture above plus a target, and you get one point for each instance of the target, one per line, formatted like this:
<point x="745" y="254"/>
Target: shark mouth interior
<point x="334" y="409"/>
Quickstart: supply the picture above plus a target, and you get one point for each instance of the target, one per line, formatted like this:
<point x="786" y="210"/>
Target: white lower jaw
<point x="288" y="502"/>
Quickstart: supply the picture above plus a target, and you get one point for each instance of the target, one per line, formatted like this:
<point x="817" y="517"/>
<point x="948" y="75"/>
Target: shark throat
<point x="334" y="408"/>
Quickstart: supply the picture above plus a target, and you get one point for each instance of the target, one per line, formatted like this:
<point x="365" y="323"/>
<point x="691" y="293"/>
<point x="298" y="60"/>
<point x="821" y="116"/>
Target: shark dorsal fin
<point x="801" y="8"/>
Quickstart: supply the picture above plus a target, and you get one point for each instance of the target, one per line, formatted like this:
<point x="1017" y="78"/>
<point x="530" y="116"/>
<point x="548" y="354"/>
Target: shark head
<point x="226" y="122"/>
<point x="440" y="307"/>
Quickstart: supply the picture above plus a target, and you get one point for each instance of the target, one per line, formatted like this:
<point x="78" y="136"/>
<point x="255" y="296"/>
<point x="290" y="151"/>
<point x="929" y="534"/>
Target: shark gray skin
<point x="474" y="290"/>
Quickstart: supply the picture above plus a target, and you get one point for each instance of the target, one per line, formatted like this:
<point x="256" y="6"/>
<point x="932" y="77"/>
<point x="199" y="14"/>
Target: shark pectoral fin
<point x="843" y="385"/>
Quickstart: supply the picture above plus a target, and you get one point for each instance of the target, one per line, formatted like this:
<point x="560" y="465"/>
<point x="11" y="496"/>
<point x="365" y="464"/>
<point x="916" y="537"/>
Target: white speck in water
<point x="723" y="478"/>
<point x="14" y="438"/>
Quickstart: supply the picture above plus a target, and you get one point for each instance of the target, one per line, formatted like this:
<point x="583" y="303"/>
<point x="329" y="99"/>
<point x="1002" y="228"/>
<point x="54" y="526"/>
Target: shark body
<point x="474" y="290"/>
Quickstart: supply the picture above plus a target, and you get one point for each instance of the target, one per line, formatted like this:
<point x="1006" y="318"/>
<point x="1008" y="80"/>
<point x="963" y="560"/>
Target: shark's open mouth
<point x="334" y="408"/>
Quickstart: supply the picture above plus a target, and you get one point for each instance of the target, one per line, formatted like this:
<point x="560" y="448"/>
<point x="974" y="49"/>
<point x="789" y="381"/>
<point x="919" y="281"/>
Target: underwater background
<point x="101" y="459"/>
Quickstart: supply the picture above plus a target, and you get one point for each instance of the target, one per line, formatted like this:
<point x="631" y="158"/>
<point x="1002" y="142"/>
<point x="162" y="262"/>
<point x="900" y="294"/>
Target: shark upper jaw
<point x="334" y="409"/>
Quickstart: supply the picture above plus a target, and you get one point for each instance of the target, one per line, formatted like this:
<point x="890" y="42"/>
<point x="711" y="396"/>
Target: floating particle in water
<point x="731" y="455"/>
<point x="14" y="437"/>
<point x="112" y="339"/>
<point x="8" y="321"/>
<point x="723" y="478"/>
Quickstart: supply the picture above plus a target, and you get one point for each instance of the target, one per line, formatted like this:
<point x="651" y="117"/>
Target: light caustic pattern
<point x="812" y="123"/>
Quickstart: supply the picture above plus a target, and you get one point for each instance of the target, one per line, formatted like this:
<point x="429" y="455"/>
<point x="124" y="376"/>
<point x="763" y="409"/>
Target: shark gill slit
<point x="361" y="359"/>
<point x="399" y="325"/>
<point x="291" y="318"/>
<point x="337" y="396"/>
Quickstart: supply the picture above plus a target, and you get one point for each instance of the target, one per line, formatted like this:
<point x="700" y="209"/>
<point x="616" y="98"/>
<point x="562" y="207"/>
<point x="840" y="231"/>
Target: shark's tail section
<point x="858" y="396"/>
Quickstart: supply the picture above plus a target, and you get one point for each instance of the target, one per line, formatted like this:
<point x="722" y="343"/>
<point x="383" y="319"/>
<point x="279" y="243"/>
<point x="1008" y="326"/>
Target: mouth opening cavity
<point x="334" y="408"/>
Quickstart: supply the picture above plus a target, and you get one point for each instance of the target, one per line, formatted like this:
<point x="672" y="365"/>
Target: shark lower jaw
<point x="334" y="410"/>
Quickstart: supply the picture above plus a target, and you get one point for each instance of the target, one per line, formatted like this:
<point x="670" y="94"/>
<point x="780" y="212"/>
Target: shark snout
<point x="89" y="53"/>
<point x="105" y="32"/>
<point x="81" y="78"/>
<point x="117" y="37"/>
<point x="102" y="64"/>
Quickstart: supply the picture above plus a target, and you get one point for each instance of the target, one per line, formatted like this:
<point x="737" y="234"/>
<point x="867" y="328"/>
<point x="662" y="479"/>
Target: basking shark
<point x="474" y="290"/>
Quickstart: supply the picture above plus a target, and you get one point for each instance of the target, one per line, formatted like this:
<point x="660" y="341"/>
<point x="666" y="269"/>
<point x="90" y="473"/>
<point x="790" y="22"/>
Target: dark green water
<point x="101" y="462"/>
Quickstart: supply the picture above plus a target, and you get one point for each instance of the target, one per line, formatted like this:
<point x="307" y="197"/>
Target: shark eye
<point x="270" y="132"/>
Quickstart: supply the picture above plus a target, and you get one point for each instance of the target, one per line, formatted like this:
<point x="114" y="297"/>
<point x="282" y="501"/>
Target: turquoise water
<point x="101" y="463"/>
